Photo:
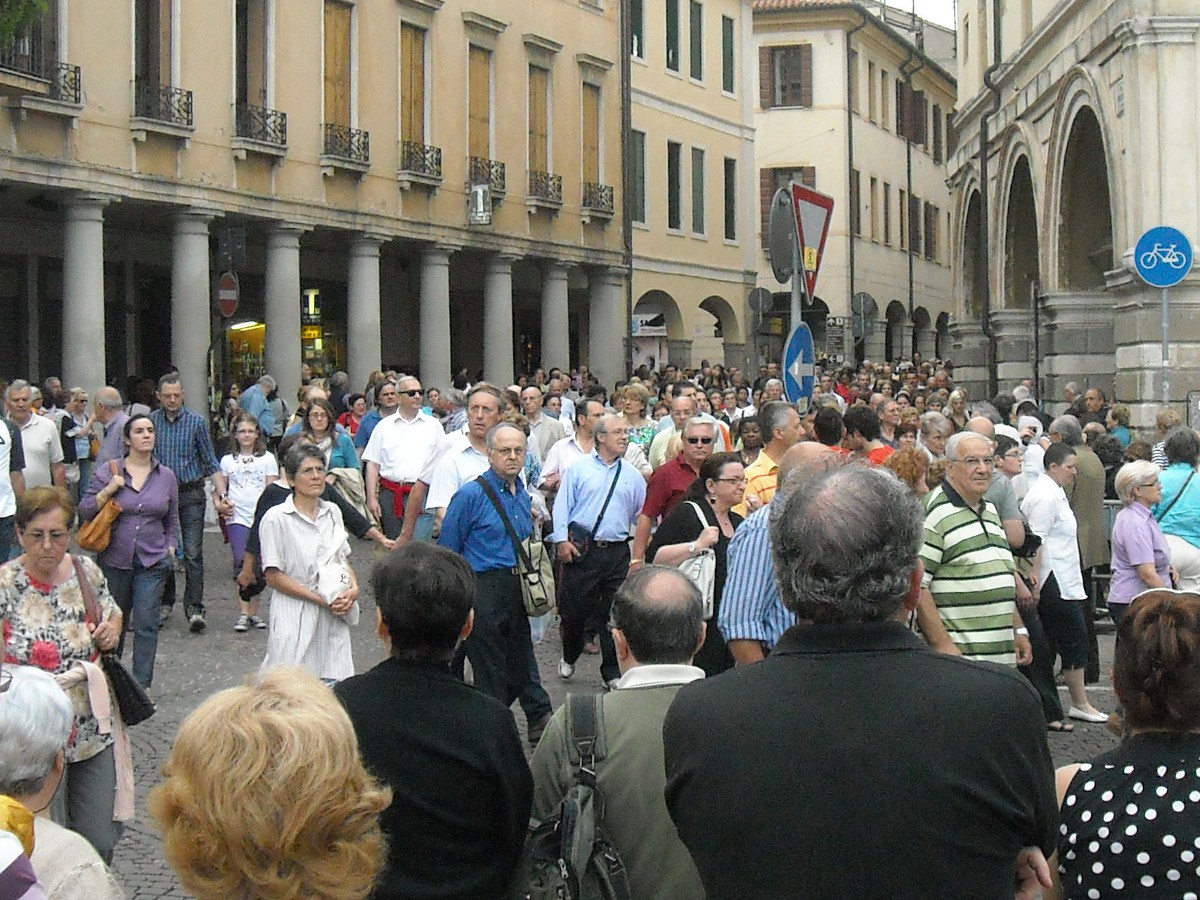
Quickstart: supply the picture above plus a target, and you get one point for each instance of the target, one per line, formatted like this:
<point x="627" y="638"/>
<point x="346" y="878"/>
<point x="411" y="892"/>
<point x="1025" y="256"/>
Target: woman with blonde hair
<point x="633" y="411"/>
<point x="266" y="796"/>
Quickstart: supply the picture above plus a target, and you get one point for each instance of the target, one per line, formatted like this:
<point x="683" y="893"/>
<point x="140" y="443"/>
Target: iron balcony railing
<point x="24" y="55"/>
<point x="489" y="172"/>
<point x="261" y="124"/>
<point x="348" y="143"/>
<point x="598" y="197"/>
<point x="545" y="186"/>
<point x="420" y="159"/>
<point x="162" y="102"/>
<point x="66" y="83"/>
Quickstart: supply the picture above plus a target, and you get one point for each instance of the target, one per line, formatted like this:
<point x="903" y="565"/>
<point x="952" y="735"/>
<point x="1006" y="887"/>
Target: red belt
<point x="400" y="492"/>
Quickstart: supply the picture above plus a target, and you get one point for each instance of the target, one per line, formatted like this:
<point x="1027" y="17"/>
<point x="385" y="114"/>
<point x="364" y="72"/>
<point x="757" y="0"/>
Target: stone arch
<point x="1074" y="225"/>
<point x="895" y="346"/>
<point x="661" y="303"/>
<point x="974" y="270"/>
<point x="1020" y="259"/>
<point x="730" y="328"/>
<point x="942" y="335"/>
<point x="923" y="337"/>
<point x="864" y="313"/>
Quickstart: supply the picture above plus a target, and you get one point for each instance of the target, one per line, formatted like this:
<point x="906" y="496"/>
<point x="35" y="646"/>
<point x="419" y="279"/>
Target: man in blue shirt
<point x="254" y="401"/>
<point x="387" y="401"/>
<point x="183" y="444"/>
<point x="500" y="648"/>
<point x="600" y="497"/>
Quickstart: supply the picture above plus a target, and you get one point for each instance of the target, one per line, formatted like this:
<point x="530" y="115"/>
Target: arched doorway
<point x="864" y="313"/>
<point x="942" y="335"/>
<point x="1020" y="239"/>
<point x="727" y="331"/>
<point x="894" y="343"/>
<point x="656" y="318"/>
<point x="974" y="270"/>
<point x="814" y="316"/>
<point x="923" y="338"/>
<point x="1085" y="244"/>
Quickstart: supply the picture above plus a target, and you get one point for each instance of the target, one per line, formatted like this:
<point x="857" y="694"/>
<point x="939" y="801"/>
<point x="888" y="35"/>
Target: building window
<point x="637" y="27"/>
<point x="903" y="220"/>
<point x="887" y="214"/>
<point x="696" y="40"/>
<point x="730" y="199"/>
<point x="479" y="102"/>
<point x="727" y="55"/>
<point x="539" y="119"/>
<point x="697" y="191"/>
<point x="852" y="83"/>
<point x="412" y="83"/>
<point x="674" y="186"/>
<point x="911" y="113"/>
<point x="152" y="41"/>
<point x="772" y="180"/>
<point x="872" y="85"/>
<point x="672" y="12"/>
<point x="931" y="231"/>
<point x="337" y="63"/>
<point x="855" y="203"/>
<point x="937" y="133"/>
<point x="637" y="200"/>
<point x="876" y="231"/>
<point x="253" y="62"/>
<point x="885" y="102"/>
<point x="914" y="224"/>
<point x="591" y="134"/>
<point x="786" y="76"/>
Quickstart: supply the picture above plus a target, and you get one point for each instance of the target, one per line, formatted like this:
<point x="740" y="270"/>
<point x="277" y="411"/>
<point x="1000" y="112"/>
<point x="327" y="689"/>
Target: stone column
<point x="362" y="314"/>
<point x="556" y="346"/>
<point x="435" y="317"/>
<point x="191" y="307"/>
<point x="1013" y="329"/>
<point x="606" y="328"/>
<point x="498" y="321"/>
<point x="83" y="293"/>
<point x="283" y="309"/>
<point x="969" y="352"/>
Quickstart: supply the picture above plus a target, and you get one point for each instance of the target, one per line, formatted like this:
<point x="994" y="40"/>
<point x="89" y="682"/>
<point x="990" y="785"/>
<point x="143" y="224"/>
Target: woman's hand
<point x="343" y="602"/>
<point x="107" y="634"/>
<point x="708" y="537"/>
<point x="114" y="484"/>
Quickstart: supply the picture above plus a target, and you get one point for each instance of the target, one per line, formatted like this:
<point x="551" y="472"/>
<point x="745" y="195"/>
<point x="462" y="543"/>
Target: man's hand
<point x="245" y="577"/>
<point x="567" y="552"/>
<point x="375" y="509"/>
<point x="1031" y="873"/>
<point x="1024" y="650"/>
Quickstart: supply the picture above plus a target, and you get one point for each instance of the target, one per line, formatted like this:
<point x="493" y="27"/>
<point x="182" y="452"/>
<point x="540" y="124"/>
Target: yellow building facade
<point x="692" y="188"/>
<point x="427" y="184"/>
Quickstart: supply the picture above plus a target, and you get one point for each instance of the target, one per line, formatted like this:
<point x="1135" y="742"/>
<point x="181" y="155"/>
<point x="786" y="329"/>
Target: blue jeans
<point x="191" y="527"/>
<point x="138" y="591"/>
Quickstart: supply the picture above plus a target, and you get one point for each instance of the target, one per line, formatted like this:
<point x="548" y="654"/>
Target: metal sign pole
<point x="1166" y="352"/>
<point x="797" y="285"/>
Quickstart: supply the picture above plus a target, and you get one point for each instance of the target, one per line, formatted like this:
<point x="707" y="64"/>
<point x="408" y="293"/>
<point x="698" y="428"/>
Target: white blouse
<point x="1048" y="512"/>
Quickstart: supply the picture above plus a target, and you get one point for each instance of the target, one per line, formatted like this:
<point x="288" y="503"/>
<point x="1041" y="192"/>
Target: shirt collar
<point x="289" y="507"/>
<point x="659" y="675"/>
<point x="764" y="458"/>
<point x="848" y="637"/>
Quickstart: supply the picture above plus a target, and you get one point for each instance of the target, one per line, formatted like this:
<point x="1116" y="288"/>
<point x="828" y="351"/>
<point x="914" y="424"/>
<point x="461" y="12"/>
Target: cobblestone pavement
<point x="191" y="667"/>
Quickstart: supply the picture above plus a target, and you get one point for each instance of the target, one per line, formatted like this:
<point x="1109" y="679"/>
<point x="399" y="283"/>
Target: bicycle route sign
<point x="1163" y="256"/>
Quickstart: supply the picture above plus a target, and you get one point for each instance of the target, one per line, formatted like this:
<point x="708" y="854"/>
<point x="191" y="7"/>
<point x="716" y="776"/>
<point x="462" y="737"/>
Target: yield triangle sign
<point x="813" y="212"/>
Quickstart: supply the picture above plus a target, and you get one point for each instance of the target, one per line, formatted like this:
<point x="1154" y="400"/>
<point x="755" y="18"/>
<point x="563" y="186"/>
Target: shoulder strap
<point x="603" y="509"/>
<point x="522" y="557"/>
<point x="1162" y="515"/>
<point x="89" y="593"/>
<point x="585" y="735"/>
<point x="700" y="513"/>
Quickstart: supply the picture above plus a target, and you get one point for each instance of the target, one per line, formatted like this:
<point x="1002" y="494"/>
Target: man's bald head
<point x="982" y="425"/>
<point x="660" y="615"/>
<point x="808" y="456"/>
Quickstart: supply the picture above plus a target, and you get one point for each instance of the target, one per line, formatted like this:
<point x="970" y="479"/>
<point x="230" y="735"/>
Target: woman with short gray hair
<point x="1141" y="556"/>
<point x="1178" y="507"/>
<point x="935" y="431"/>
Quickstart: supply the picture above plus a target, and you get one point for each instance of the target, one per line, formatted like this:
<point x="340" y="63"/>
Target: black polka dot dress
<point x="1131" y="822"/>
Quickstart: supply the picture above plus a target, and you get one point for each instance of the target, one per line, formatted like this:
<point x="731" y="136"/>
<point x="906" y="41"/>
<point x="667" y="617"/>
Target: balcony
<point x="489" y="172"/>
<point x="545" y="192"/>
<point x="597" y="202"/>
<point x="34" y="83"/>
<point x="346" y="149"/>
<point x="259" y="130"/>
<point x="420" y="164"/>
<point x="161" y="109"/>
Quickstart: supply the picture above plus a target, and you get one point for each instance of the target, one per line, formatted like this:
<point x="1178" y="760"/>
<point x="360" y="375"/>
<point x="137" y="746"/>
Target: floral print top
<point x="644" y="435"/>
<point x="46" y="626"/>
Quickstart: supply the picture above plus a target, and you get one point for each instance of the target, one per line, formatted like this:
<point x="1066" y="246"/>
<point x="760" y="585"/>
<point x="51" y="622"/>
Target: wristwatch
<point x="1021" y="632"/>
<point x="692" y="548"/>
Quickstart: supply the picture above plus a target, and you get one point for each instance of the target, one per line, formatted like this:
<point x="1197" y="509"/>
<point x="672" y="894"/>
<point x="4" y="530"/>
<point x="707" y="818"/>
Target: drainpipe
<point x="862" y="23"/>
<point x="627" y="173"/>
<point x="908" y="176"/>
<point x="985" y="229"/>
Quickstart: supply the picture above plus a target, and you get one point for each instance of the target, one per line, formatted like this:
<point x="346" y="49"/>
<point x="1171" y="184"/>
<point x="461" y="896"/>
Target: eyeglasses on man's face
<point x="974" y="462"/>
<point x="699" y="440"/>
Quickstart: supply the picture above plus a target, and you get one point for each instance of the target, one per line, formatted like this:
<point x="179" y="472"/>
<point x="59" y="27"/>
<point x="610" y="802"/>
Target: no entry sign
<point x="228" y="292"/>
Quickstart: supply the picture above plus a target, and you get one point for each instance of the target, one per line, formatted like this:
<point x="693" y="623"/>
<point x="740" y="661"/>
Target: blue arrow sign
<point x="1163" y="256"/>
<point x="798" y="358"/>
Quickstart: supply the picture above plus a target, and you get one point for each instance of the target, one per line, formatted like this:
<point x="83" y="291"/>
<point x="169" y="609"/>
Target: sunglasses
<point x="417" y="393"/>
<point x="699" y="440"/>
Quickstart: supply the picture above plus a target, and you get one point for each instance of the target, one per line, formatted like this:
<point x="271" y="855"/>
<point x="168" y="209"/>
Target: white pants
<point x="1186" y="559"/>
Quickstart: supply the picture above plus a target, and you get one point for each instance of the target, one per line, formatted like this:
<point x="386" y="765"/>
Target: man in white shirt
<point x="39" y="438"/>
<point x="463" y="455"/>
<point x="12" y="483"/>
<point x="398" y="450"/>
<point x="567" y="452"/>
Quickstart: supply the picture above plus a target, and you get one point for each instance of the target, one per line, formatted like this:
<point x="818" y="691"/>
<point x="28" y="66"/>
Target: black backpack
<point x="568" y="856"/>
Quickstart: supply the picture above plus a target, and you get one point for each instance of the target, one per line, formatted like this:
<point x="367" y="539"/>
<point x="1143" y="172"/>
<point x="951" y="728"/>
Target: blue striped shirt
<point x="184" y="446"/>
<point x="581" y="497"/>
<point x="751" y="606"/>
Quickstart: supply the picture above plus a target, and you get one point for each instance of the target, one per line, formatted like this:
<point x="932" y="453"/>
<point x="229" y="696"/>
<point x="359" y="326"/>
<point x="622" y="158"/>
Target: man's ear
<point x="468" y="626"/>
<point x="703" y="635"/>
<point x="618" y="637"/>
<point x="914" y="586"/>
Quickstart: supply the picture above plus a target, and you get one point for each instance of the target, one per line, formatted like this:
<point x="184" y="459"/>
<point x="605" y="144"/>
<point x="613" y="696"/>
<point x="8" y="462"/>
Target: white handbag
<point x="702" y="567"/>
<point x="333" y="579"/>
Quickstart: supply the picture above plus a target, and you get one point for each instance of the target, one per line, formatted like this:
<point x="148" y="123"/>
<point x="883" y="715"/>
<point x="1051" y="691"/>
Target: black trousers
<point x="585" y="596"/>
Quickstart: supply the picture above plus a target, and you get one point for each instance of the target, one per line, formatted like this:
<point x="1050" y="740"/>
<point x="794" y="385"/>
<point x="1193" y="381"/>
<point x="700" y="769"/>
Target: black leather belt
<point x="603" y="544"/>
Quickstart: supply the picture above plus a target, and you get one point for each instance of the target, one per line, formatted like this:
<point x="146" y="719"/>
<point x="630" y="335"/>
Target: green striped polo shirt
<point x="969" y="571"/>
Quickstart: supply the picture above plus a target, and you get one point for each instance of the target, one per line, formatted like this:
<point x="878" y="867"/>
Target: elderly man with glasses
<point x="968" y="596"/>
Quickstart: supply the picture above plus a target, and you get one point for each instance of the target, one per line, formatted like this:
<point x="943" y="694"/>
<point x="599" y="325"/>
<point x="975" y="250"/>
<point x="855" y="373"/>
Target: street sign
<point x="798" y="361"/>
<point x="760" y="301"/>
<point x="1163" y="256"/>
<point x="835" y="338"/>
<point x="781" y="235"/>
<point x="228" y="293"/>
<point x="813" y="211"/>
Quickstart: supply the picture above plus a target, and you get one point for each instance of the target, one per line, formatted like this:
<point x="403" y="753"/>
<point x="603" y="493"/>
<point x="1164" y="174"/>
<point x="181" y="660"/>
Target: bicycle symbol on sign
<point x="1168" y="255"/>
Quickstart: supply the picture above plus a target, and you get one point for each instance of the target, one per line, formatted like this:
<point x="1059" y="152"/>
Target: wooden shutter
<point x="931" y="228"/>
<point x="591" y="134"/>
<point x="539" y="89"/>
<point x="163" y="36"/>
<point x="337" y="63"/>
<point x="256" y="52"/>
<point x="914" y="224"/>
<point x="480" y="112"/>
<point x="855" y="203"/>
<point x="766" y="78"/>
<point x="951" y="137"/>
<point x="806" y="75"/>
<point x="412" y="83"/>
<point x="903" y="109"/>
<point x="766" y="192"/>
<point x="937" y="133"/>
<point x="920" y="115"/>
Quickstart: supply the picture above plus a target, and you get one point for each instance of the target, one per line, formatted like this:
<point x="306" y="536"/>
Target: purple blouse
<point x="149" y="521"/>
<point x="1136" y="539"/>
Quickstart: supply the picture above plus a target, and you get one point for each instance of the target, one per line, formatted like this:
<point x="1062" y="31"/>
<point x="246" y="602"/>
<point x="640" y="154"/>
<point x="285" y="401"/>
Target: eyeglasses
<point x="417" y="393"/>
<point x="742" y="480"/>
<point x="972" y="462"/>
<point x="40" y="537"/>
<point x="699" y="440"/>
<point x="616" y="431"/>
<point x="1013" y="454"/>
<point x="1151" y="484"/>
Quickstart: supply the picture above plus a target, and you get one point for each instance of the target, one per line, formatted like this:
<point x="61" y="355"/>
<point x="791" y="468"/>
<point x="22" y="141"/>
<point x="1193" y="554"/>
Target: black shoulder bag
<point x="578" y="534"/>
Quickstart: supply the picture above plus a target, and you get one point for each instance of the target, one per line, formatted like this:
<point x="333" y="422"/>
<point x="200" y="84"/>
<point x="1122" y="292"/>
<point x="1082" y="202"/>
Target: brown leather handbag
<point x="96" y="534"/>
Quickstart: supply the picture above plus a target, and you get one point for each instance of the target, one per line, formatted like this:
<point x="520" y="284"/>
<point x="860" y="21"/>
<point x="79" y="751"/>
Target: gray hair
<point x="771" y="382"/>
<point x="496" y="429"/>
<point x="697" y="422"/>
<point x="934" y="421"/>
<point x="845" y="543"/>
<point x="771" y="415"/>
<point x="1181" y="446"/>
<point x="35" y="723"/>
<point x="18" y="384"/>
<point x="957" y="440"/>
<point x="1130" y="475"/>
<point x="454" y="397"/>
<point x="268" y="382"/>
<point x="109" y="398"/>
<point x="1019" y="393"/>
<point x="1069" y="429"/>
<point x="297" y="454"/>
<point x="661" y="614"/>
<point x="169" y="378"/>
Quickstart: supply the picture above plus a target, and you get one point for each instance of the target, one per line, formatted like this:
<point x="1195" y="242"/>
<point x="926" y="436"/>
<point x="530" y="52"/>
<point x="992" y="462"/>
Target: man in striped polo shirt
<point x="968" y="587"/>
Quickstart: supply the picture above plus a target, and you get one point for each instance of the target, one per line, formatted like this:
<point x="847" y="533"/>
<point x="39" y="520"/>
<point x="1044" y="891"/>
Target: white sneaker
<point x="243" y="623"/>
<point x="565" y="670"/>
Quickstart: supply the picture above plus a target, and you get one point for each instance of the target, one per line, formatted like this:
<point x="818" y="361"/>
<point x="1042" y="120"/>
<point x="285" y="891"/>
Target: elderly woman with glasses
<point x="1141" y="557"/>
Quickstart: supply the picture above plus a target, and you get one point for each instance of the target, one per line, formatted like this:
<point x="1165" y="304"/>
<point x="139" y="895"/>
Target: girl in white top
<point x="243" y="476"/>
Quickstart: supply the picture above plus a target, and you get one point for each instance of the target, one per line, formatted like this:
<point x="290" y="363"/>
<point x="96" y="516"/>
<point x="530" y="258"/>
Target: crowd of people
<point x="755" y="575"/>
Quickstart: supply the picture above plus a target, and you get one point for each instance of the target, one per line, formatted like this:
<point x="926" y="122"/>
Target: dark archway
<point x="942" y="335"/>
<point x="1020" y="239"/>
<point x="923" y="337"/>
<point x="814" y="316"/>
<point x="894" y="344"/>
<point x="974" y="270"/>
<point x="1085" y="244"/>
